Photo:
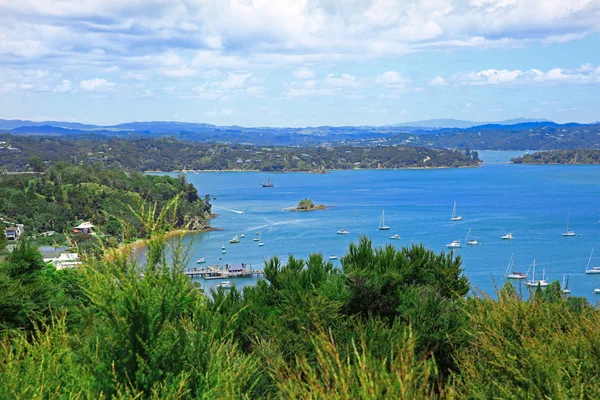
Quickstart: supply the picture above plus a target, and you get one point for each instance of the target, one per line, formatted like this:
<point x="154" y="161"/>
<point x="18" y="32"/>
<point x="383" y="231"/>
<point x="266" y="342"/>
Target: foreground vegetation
<point x="389" y="324"/>
<point x="168" y="154"/>
<point x="66" y="195"/>
<point x="581" y="156"/>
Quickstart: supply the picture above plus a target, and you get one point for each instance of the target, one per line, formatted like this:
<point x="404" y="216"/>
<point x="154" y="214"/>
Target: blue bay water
<point x="530" y="201"/>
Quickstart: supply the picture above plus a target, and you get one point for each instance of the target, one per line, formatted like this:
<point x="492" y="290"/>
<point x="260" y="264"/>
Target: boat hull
<point x="536" y="284"/>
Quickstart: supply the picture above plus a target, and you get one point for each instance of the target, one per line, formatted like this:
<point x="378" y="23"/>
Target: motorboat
<point x="224" y="285"/>
<point x="200" y="261"/>
<point x="508" y="236"/>
<point x="454" y="245"/>
<point x="342" y="232"/>
<point x="395" y="237"/>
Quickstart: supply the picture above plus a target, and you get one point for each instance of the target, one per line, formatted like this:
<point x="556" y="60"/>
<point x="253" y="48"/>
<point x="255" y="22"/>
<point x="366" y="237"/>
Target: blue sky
<point x="299" y="62"/>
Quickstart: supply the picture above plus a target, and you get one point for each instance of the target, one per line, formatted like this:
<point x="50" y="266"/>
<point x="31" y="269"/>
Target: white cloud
<point x="239" y="34"/>
<point x="64" y="87"/>
<point x="437" y="81"/>
<point x="7" y="87"/>
<point x="218" y="113"/>
<point x="586" y="74"/>
<point x="97" y="85"/>
<point x="392" y="79"/>
<point x="234" y="81"/>
<point x="340" y="81"/>
<point x="304" y="73"/>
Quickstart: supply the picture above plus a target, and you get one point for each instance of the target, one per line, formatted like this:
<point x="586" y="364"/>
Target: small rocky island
<point x="308" y="205"/>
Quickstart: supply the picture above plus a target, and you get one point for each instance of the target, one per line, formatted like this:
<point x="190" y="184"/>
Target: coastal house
<point x="64" y="261"/>
<point x="85" y="227"/>
<point x="14" y="232"/>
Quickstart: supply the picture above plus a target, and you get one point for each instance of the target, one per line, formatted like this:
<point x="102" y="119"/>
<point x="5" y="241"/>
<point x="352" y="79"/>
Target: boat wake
<point x="229" y="209"/>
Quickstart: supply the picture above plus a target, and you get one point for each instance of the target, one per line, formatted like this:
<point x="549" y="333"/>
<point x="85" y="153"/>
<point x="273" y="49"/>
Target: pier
<point x="224" y="271"/>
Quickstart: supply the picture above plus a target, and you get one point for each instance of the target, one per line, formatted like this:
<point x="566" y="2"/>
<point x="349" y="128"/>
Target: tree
<point x="37" y="164"/>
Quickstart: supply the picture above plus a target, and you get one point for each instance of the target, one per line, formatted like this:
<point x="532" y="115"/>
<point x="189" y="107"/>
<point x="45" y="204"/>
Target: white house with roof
<point x="14" y="232"/>
<point x="65" y="260"/>
<point x="84" y="227"/>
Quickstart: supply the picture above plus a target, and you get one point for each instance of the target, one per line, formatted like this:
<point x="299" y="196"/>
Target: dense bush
<point x="391" y="323"/>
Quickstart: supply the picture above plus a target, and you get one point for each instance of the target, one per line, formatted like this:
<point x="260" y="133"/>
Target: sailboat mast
<point x="589" y="261"/>
<point x="508" y="268"/>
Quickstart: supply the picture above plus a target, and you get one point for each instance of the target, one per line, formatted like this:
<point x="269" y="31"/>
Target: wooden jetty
<point x="224" y="271"/>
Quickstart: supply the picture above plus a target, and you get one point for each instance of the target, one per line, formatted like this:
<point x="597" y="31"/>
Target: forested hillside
<point x="66" y="195"/>
<point x="534" y="137"/>
<point x="580" y="156"/>
<point x="168" y="154"/>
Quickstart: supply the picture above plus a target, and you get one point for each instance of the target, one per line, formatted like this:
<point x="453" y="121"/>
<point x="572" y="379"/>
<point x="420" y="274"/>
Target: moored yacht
<point x="342" y="232"/>
<point x="508" y="236"/>
<point x="395" y="237"/>
<point x="454" y="245"/>
<point x="224" y="285"/>
<point x="471" y="242"/>
<point x="568" y="232"/>
<point x="510" y="273"/>
<point x="533" y="283"/>
<point x="565" y="285"/>
<point x="234" y="240"/>
<point x="593" y="270"/>
<point x="382" y="225"/>
<point x="455" y="217"/>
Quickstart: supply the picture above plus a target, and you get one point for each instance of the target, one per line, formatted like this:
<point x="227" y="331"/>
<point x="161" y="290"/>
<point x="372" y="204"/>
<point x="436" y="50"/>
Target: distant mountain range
<point x="457" y="123"/>
<point x="429" y="133"/>
<point x="25" y="126"/>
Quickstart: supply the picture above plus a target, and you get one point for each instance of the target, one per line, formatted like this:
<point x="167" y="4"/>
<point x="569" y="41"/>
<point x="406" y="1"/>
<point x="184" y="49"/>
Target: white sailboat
<point x="568" y="232"/>
<point x="234" y="240"/>
<point x="259" y="242"/>
<point x="510" y="273"/>
<point x="382" y="225"/>
<point x="533" y="283"/>
<point x="454" y="216"/>
<point x="565" y="285"/>
<point x="471" y="242"/>
<point x="593" y="270"/>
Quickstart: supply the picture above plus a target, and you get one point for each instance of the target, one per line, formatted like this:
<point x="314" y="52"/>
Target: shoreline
<point x="306" y="171"/>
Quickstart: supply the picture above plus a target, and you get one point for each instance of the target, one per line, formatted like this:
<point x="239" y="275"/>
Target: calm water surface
<point x="530" y="201"/>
